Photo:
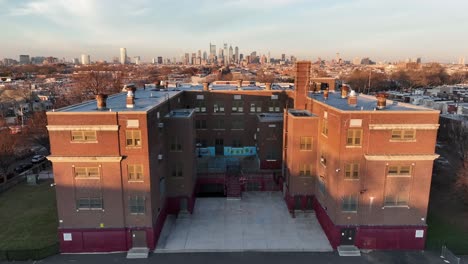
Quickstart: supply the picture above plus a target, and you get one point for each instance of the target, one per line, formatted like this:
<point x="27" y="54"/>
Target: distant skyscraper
<point x="205" y="55"/>
<point x="357" y="61"/>
<point x="85" y="59"/>
<point x="76" y="61"/>
<point x="237" y="54"/>
<point x="220" y="53"/>
<point x="187" y="59"/>
<point x="461" y="61"/>
<point x="283" y="57"/>
<point x="231" y="54"/>
<point x="199" y="54"/>
<point x="160" y="60"/>
<point x="137" y="60"/>
<point x="212" y="52"/>
<point x="123" y="55"/>
<point x="24" y="59"/>
<point x="225" y="53"/>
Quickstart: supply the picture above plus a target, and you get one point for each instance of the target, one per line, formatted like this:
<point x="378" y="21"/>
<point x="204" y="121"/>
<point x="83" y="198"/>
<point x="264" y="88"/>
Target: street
<point x="381" y="257"/>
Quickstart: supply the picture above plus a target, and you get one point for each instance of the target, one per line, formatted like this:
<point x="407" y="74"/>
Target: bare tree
<point x="7" y="150"/>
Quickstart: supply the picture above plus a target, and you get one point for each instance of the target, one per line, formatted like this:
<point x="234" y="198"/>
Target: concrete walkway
<point x="260" y="221"/>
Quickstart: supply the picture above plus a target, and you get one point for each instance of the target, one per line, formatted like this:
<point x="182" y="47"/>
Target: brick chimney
<point x="268" y="86"/>
<point x="381" y="101"/>
<point x="301" y="84"/>
<point x="101" y="100"/>
<point x="352" y="99"/>
<point x="239" y="83"/>
<point x="131" y="97"/>
<point x="206" y="86"/>
<point x="325" y="94"/>
<point x="344" y="91"/>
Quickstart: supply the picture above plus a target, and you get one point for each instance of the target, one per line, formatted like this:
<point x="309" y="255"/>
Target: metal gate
<point x="448" y="257"/>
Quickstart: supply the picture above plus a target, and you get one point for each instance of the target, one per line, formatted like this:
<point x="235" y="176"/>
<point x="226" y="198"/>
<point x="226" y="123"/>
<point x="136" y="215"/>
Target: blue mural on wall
<point x="228" y="151"/>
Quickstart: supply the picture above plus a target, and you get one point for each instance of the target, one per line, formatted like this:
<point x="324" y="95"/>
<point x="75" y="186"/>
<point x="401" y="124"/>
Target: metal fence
<point x="448" y="257"/>
<point x="29" y="254"/>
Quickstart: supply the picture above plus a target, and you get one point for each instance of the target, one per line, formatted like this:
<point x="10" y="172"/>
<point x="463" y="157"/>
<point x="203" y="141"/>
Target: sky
<point x="384" y="30"/>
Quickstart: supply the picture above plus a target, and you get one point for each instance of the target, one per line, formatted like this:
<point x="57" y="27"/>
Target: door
<point x="219" y="146"/>
<point x="139" y="239"/>
<point x="183" y="204"/>
<point x="347" y="236"/>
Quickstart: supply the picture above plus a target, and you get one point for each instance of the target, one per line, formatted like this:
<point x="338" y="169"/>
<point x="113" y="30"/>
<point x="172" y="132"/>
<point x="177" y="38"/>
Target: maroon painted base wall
<point x="373" y="237"/>
<point x="270" y="165"/>
<point x="101" y="240"/>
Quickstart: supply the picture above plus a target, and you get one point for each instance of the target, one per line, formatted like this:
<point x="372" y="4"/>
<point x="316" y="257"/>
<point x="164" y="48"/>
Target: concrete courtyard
<point x="260" y="221"/>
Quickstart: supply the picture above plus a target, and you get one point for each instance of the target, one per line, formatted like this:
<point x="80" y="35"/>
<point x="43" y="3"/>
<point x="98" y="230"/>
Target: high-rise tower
<point x="123" y="55"/>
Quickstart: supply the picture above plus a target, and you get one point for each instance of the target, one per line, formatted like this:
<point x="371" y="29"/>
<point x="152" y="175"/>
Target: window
<point x="272" y="153"/>
<point x="237" y="124"/>
<point x="89" y="203"/>
<point x="86" y="172"/>
<point x="352" y="171"/>
<point x="274" y="106"/>
<point x="305" y="170"/>
<point x="177" y="170"/>
<point x="236" y="143"/>
<point x="200" y="124"/>
<point x="237" y="106"/>
<point x="218" y="107"/>
<point x="306" y="143"/>
<point x="325" y="127"/>
<point x="349" y="203"/>
<point x="408" y="134"/>
<point x="255" y="107"/>
<point x="176" y="145"/>
<point x="137" y="204"/>
<point x="237" y="97"/>
<point x="397" y="191"/>
<point x="200" y="106"/>
<point x="133" y="138"/>
<point x="354" y="137"/>
<point x="402" y="170"/>
<point x="135" y="172"/>
<point x="219" y="124"/>
<point x="83" y="136"/>
<point x="200" y="143"/>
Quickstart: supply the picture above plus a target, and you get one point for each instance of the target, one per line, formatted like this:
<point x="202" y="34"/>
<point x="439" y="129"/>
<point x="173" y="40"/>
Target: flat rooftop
<point x="270" y="117"/>
<point x="364" y="103"/>
<point x="227" y="87"/>
<point x="301" y="113"/>
<point x="145" y="99"/>
<point x="181" y="113"/>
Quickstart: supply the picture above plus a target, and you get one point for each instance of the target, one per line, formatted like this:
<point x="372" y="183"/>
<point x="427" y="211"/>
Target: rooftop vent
<point x="101" y="100"/>
<point x="352" y="99"/>
<point x="344" y="91"/>
<point x="381" y="100"/>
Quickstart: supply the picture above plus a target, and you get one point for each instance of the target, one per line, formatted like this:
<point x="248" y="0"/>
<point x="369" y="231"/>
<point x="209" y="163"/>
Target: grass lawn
<point x="28" y="217"/>
<point x="441" y="232"/>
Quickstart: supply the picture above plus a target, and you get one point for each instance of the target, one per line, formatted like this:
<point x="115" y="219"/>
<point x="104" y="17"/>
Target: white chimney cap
<point x="352" y="93"/>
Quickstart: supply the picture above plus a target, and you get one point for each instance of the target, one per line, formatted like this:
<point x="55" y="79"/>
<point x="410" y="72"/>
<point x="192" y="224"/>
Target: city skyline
<point x="310" y="29"/>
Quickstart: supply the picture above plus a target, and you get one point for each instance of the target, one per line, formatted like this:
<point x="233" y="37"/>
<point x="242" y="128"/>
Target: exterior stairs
<point x="348" y="251"/>
<point x="138" y="253"/>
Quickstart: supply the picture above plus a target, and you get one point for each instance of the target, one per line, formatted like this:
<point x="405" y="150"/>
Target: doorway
<point x="347" y="236"/>
<point x="139" y="239"/>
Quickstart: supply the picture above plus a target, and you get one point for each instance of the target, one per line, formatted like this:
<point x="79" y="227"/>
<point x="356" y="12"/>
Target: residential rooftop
<point x="145" y="99"/>
<point x="364" y="103"/>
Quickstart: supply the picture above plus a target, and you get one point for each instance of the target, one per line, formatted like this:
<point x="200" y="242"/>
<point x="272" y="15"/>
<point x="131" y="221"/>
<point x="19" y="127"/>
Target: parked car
<point x="37" y="159"/>
<point x="22" y="167"/>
